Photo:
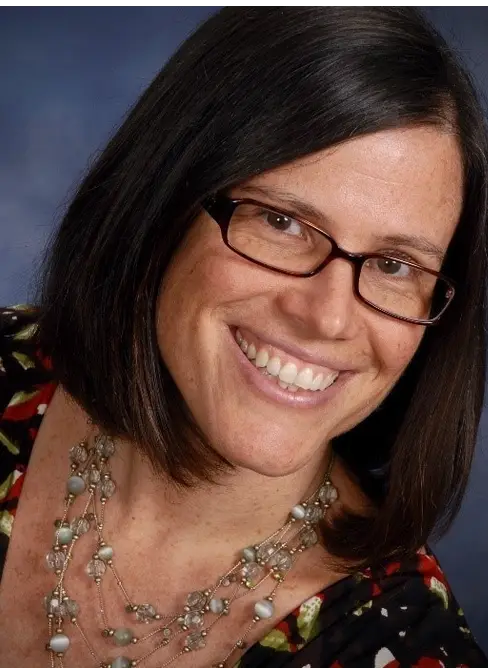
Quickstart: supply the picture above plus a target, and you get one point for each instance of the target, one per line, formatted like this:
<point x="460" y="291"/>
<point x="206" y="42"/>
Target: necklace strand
<point x="274" y="557"/>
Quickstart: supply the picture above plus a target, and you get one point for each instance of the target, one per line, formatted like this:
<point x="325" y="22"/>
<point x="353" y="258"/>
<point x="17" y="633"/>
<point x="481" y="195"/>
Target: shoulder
<point x="401" y="614"/>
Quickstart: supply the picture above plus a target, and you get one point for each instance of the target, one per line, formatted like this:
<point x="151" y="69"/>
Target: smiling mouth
<point x="288" y="375"/>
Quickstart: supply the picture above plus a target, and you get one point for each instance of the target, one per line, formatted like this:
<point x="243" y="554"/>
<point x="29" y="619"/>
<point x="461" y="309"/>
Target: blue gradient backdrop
<point x="67" y="77"/>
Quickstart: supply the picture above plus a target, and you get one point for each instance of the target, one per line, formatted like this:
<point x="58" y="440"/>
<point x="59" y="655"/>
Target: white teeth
<point x="316" y="382"/>
<point x="262" y="358"/>
<point x="328" y="381"/>
<point x="274" y="366"/>
<point x="251" y="352"/>
<point x="304" y="379"/>
<point x="288" y="373"/>
<point x="288" y="376"/>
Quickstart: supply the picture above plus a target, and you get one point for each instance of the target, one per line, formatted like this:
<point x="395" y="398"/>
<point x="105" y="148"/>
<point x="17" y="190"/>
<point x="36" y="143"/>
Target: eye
<point x="389" y="267"/>
<point x="282" y="223"/>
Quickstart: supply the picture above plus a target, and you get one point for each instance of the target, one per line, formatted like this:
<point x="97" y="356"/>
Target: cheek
<point x="193" y="294"/>
<point x="396" y="346"/>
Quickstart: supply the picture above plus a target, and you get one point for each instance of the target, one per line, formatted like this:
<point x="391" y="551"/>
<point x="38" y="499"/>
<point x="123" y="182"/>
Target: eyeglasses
<point x="270" y="238"/>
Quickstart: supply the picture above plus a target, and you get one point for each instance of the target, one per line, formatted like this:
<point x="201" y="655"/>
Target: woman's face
<point x="369" y="190"/>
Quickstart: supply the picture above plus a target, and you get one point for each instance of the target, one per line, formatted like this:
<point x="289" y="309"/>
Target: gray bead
<point x="249" y="554"/>
<point x="76" y="485"/>
<point x="106" y="552"/>
<point x="59" y="643"/>
<point x="216" y="605"/>
<point x="264" y="609"/>
<point x="298" y="512"/>
<point x="123" y="637"/>
<point x="120" y="662"/>
<point x="64" y="535"/>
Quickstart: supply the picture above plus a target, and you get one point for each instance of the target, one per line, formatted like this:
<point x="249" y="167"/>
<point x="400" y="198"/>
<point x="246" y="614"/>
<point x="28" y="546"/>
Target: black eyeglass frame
<point x="221" y="209"/>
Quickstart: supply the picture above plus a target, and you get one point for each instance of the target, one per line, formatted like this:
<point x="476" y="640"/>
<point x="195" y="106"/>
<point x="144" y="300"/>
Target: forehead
<point x="393" y="182"/>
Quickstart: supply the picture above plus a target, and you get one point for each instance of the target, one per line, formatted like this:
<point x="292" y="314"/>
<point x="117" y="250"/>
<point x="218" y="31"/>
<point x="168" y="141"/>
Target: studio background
<point x="68" y="76"/>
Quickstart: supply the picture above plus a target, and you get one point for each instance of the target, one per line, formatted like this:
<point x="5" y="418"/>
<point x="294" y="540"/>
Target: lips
<point x="291" y="374"/>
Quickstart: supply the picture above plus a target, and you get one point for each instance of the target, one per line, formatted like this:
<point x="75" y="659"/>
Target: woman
<point x="252" y="385"/>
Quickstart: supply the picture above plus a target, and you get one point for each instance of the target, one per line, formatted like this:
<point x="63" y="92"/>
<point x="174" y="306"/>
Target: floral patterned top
<point x="401" y="614"/>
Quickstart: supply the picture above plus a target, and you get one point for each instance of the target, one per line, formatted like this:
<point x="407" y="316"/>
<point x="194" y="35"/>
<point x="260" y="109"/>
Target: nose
<point x="324" y="303"/>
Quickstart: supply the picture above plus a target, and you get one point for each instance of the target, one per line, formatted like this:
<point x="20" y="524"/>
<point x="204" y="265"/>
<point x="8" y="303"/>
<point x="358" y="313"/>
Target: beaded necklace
<point x="89" y="487"/>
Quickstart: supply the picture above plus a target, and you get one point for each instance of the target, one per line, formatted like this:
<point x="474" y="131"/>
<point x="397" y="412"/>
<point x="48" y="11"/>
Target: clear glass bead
<point x="196" y="600"/>
<point x="266" y="551"/>
<point x="52" y="605"/>
<point x="314" y="514"/>
<point x="145" y="613"/>
<point x="55" y="560"/>
<point x="80" y="525"/>
<point x="309" y="537"/>
<point x="252" y="572"/>
<point x="78" y="454"/>
<point x="91" y="476"/>
<point x="61" y="608"/>
<point x="95" y="568"/>
<point x="328" y="494"/>
<point x="193" y="620"/>
<point x="71" y="607"/>
<point x="107" y="487"/>
<point x="282" y="560"/>
<point x="195" y="641"/>
<point x="104" y="446"/>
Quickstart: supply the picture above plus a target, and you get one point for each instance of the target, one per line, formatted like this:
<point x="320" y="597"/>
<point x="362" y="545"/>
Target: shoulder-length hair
<point x="252" y="89"/>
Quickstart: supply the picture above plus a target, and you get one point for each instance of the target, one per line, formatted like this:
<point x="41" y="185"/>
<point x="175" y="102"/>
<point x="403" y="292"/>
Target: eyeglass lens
<point x="284" y="243"/>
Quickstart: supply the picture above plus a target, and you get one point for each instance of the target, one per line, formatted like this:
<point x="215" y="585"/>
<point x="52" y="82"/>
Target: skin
<point x="401" y="181"/>
<point x="169" y="541"/>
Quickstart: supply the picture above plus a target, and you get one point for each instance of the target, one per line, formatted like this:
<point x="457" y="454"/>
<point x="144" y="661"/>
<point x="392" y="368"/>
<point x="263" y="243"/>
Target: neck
<point x="150" y="514"/>
<point x="241" y="508"/>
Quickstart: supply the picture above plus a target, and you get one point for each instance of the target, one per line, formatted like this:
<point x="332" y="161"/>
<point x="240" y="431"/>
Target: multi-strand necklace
<point x="89" y="487"/>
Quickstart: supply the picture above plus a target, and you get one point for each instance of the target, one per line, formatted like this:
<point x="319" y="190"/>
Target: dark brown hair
<point x="252" y="89"/>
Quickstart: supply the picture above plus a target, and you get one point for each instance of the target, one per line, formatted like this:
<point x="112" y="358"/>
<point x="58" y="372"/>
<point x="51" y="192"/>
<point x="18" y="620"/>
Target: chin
<point x="270" y="457"/>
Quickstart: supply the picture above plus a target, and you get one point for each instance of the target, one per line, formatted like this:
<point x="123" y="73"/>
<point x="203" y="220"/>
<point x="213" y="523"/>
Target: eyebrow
<point x="310" y="212"/>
